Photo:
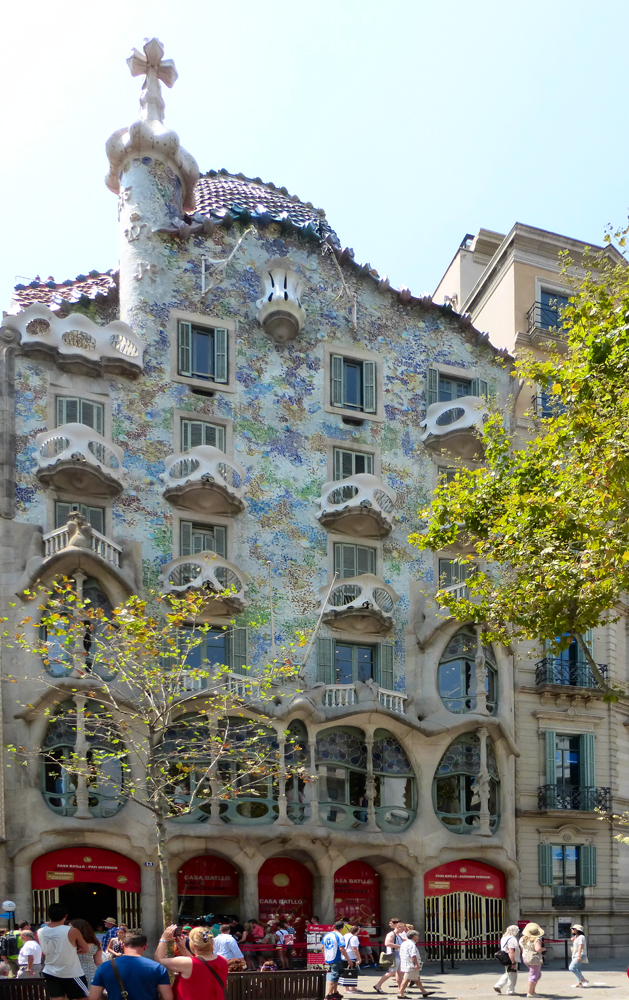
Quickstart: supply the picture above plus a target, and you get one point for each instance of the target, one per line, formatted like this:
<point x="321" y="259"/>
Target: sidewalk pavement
<point x="476" y="980"/>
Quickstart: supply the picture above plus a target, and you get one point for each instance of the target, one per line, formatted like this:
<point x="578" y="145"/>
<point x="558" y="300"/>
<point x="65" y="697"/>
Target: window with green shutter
<point x="587" y="864"/>
<point x="478" y="388"/>
<point x="351" y="463"/>
<point x="545" y="863"/>
<point x="75" y="410"/>
<point x="325" y="660"/>
<point x="202" y="352"/>
<point x="432" y="386"/>
<point x="195" y="538"/>
<point x="93" y="515"/>
<point x="200" y="432"/>
<point x="353" y="384"/>
<point x="353" y="560"/>
<point x="550" y="738"/>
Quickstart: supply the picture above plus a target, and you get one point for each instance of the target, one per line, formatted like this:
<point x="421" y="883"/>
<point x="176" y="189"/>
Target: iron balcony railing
<point x="554" y="670"/>
<point x="545" y="317"/>
<point x="583" y="798"/>
<point x="570" y="896"/>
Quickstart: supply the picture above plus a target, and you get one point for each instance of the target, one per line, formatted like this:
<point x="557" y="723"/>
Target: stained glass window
<point x="455" y="788"/>
<point x="457" y="674"/>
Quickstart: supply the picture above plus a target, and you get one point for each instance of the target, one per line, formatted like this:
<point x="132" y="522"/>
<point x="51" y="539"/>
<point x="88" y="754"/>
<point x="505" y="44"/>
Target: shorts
<point x="332" y="975"/>
<point x="73" y="989"/>
<point x="411" y="975"/>
<point x="535" y="972"/>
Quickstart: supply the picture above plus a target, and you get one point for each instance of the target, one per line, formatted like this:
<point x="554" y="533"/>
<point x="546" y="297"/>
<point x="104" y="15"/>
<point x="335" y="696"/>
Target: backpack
<point x="8" y="946"/>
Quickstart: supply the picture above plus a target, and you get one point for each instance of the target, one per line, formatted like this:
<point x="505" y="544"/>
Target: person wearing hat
<point x="532" y="949"/>
<point x="111" y="931"/>
<point x="579" y="954"/>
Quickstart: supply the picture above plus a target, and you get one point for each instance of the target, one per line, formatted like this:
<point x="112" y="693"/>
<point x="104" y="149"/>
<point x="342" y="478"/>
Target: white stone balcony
<point x="339" y="695"/>
<point x="280" y="312"/>
<point x="360" y="604"/>
<point x="80" y="461"/>
<point x="361" y="505"/>
<point x="204" y="480"/>
<point x="77" y="344"/>
<point x="191" y="682"/>
<point x="456" y="426"/>
<point x="209" y="572"/>
<point x="78" y="534"/>
<point x="392" y="700"/>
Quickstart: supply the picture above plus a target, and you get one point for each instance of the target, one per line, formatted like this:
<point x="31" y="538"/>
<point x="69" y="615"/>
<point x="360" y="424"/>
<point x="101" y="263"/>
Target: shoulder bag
<point x="123" y="992"/>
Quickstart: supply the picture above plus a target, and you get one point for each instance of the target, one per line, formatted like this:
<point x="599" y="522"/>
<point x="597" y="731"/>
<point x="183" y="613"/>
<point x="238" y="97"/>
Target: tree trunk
<point x="614" y="693"/>
<point x="164" y="870"/>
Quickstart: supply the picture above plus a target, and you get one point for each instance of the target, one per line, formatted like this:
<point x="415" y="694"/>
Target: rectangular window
<point x="566" y="866"/>
<point x="202" y="538"/>
<point x="353" y="560"/>
<point x="202" y="352"/>
<point x="551" y="307"/>
<point x="199" y="432"/>
<point x="93" y="515"/>
<point x="567" y="769"/>
<point x="74" y="410"/>
<point x="452" y="573"/>
<point x="222" y="647"/>
<point x="353" y="384"/>
<point x="351" y="463"/>
<point x="446" y="473"/>
<point x="348" y="662"/>
<point x="453" y="388"/>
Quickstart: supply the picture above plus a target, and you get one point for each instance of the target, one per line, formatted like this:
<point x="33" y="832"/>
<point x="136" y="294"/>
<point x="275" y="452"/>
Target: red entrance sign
<point x="285" y="887"/>
<point x="465" y="876"/>
<point x="357" y="894"/>
<point x="85" y="864"/>
<point x="207" y="875"/>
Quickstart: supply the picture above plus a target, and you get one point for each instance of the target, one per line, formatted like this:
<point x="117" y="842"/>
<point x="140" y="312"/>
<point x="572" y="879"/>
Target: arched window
<point x="395" y="788"/>
<point x="457" y="674"/>
<point x="63" y="656"/>
<point x="64" y="762"/>
<point x="456" y="791"/>
<point x="296" y="760"/>
<point x="238" y="762"/>
<point x="341" y="757"/>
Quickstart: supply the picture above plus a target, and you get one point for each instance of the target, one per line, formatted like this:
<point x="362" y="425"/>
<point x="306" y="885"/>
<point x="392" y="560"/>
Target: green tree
<point x="147" y="706"/>
<point x="545" y="521"/>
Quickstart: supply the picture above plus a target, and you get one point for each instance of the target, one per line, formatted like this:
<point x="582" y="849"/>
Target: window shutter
<point x="587" y="864"/>
<point x="551" y="759"/>
<point x="186" y="537"/>
<point x="348" y="561"/>
<point x="220" y="540"/>
<point x="545" y="859"/>
<point x="185" y="435"/>
<point x="368" y="464"/>
<point x="219" y="436"/>
<point x="62" y="512"/>
<point x="340" y="464"/>
<point x="587" y="770"/>
<point x="478" y="388"/>
<point x="432" y="386"/>
<point x="338" y="560"/>
<point x="325" y="661"/>
<point x="99" y="412"/>
<point x="195" y="433"/>
<point x="365" y="560"/>
<point x="369" y="386"/>
<point x="220" y="355"/>
<point x="88" y="416"/>
<point x="336" y="367"/>
<point x="185" y="337"/>
<point x="385" y="666"/>
<point x="238" y="650"/>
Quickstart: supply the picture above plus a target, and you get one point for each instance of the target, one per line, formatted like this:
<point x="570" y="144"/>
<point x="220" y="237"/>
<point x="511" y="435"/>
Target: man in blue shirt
<point x="333" y="948"/>
<point x="111" y="930"/>
<point x="141" y="978"/>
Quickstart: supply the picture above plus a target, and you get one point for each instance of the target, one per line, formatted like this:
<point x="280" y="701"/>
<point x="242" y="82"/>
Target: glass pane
<point x="202" y="353"/>
<point x="343" y="658"/>
<point x="364" y="664"/>
<point x="448" y="795"/>
<point x="336" y="786"/>
<point x="353" y="378"/>
<point x="570" y="865"/>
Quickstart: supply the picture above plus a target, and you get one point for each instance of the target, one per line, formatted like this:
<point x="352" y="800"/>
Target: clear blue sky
<point x="410" y="123"/>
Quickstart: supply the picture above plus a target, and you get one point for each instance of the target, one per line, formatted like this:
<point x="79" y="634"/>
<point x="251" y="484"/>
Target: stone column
<point x="481" y="673"/>
<point x="326" y="897"/>
<point x="482" y="786"/>
<point x="282" y="817"/>
<point x="80" y="748"/>
<point x="418" y="908"/>
<point x="372" y="825"/>
<point x="250" y="895"/>
<point x="312" y="788"/>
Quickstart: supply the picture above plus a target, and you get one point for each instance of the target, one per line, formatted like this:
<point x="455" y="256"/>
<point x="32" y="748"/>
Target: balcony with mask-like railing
<point x="361" y="506"/>
<point x="77" y="344"/>
<point x="204" y="480"/>
<point x="360" y="604"/>
<point x="77" y="459"/>
<point x="576" y="798"/>
<point x="455" y="426"/>
<point x="555" y="671"/>
<point x="224" y="583"/>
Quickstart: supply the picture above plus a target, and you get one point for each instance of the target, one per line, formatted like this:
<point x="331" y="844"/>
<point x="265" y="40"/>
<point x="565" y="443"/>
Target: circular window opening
<point x="450" y="416"/>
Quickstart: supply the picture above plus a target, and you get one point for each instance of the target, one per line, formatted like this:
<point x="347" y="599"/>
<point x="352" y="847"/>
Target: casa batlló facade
<point x="242" y="402"/>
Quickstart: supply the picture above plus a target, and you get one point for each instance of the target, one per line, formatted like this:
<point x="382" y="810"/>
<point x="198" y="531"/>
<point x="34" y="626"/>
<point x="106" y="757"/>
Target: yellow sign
<point x="58" y="876"/>
<point x="438" y="885"/>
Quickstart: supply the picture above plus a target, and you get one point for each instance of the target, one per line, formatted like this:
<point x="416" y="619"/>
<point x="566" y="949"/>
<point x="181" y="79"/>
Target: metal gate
<point x="42" y="898"/>
<point x="129" y="909"/>
<point x="462" y="917"/>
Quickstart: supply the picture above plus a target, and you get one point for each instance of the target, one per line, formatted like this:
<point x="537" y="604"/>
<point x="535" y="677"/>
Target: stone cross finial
<point x="154" y="68"/>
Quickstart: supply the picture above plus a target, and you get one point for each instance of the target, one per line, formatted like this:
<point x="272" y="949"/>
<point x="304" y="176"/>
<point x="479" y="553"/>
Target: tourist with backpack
<point x="532" y="954"/>
<point x="509" y="956"/>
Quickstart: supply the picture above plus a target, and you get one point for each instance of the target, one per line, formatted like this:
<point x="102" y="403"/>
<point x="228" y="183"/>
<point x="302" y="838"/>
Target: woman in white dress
<point x="94" y="956"/>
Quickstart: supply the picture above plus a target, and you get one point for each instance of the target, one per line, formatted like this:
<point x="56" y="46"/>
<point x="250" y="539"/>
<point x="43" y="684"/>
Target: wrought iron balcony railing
<point x="542" y="316"/>
<point x="582" y="798"/>
<point x="570" y="896"/>
<point x="553" y="670"/>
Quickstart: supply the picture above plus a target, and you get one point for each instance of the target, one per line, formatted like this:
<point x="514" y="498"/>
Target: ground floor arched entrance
<point x="207" y="886"/>
<point x="464" y="909"/>
<point x="357" y="895"/>
<point x="91" y="882"/>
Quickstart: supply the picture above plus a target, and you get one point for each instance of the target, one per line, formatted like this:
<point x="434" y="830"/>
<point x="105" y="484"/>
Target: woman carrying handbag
<point x="199" y="972"/>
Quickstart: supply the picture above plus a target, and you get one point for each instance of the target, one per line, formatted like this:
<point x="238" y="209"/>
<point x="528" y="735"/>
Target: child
<point x="268" y="966"/>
